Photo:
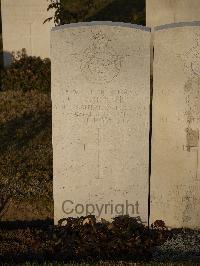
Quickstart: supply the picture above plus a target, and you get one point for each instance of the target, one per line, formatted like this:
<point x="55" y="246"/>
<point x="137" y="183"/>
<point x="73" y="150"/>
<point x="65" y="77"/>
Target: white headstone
<point x="22" y="27"/>
<point x="160" y="12"/>
<point x="175" y="180"/>
<point x="100" y="95"/>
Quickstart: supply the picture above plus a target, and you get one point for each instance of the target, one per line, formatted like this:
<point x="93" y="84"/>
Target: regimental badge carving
<point x="99" y="62"/>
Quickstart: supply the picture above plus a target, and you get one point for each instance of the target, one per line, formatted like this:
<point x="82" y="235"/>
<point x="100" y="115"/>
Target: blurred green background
<point x="112" y="10"/>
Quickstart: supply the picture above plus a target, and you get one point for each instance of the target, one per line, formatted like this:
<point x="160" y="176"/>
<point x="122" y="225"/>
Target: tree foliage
<point x="63" y="15"/>
<point x="67" y="11"/>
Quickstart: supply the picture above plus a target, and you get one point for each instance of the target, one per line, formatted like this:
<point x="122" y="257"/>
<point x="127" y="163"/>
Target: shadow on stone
<point x="6" y="58"/>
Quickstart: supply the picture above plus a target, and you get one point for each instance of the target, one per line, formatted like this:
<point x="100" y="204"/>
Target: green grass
<point x="26" y="153"/>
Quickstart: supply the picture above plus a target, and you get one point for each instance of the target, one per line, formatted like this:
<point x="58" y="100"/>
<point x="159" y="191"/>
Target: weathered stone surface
<point x="100" y="95"/>
<point x="22" y="27"/>
<point x="160" y="12"/>
<point x="175" y="180"/>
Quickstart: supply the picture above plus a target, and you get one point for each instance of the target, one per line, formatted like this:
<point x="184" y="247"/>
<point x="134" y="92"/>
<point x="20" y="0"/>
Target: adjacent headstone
<point x="175" y="180"/>
<point x="160" y="12"/>
<point x="22" y="27"/>
<point x="100" y="96"/>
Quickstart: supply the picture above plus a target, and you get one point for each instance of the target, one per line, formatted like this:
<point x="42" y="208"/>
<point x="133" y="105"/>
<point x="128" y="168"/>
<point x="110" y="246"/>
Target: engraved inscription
<point x="192" y="101"/>
<point x="192" y="138"/>
<point x="192" y="58"/>
<point x="98" y="107"/>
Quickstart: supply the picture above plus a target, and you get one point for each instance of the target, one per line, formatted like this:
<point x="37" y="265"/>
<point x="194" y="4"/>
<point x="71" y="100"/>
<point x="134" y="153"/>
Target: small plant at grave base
<point x="159" y="225"/>
<point x="27" y="73"/>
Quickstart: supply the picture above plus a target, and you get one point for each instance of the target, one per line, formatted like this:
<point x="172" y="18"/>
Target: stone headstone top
<point x="101" y="23"/>
<point x="177" y="25"/>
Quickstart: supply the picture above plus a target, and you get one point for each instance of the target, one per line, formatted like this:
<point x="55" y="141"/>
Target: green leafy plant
<point x="65" y="15"/>
<point x="27" y="73"/>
